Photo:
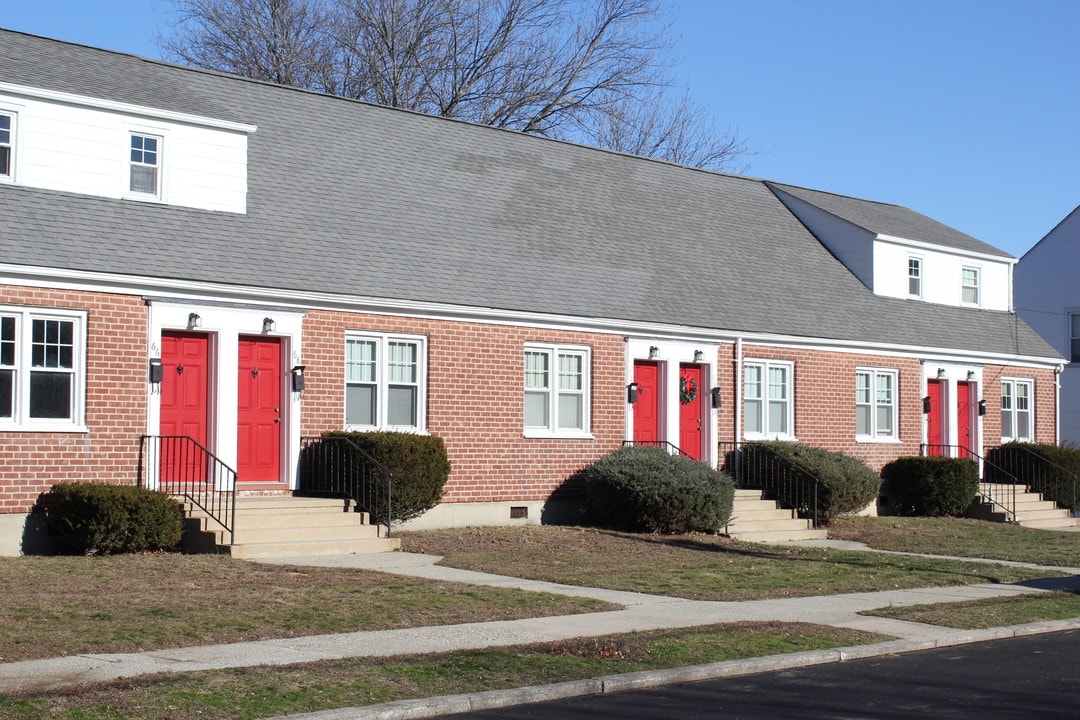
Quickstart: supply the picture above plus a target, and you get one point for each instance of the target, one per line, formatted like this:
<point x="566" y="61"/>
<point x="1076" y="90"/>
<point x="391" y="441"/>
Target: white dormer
<point x="78" y="144"/>
<point x="898" y="253"/>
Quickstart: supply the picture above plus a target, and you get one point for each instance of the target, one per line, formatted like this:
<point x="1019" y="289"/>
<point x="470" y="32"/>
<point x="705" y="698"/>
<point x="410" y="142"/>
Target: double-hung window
<point x="875" y="404"/>
<point x="7" y="145"/>
<point x="969" y="286"/>
<point x="914" y="277"/>
<point x="1074" y="337"/>
<point x="145" y="175"/>
<point x="557" y="390"/>
<point x="767" y="399"/>
<point x="41" y="369"/>
<point x="1016" y="397"/>
<point x="385" y="382"/>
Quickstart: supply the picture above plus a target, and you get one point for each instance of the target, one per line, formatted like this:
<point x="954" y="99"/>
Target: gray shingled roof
<point x="885" y="219"/>
<point x="376" y="202"/>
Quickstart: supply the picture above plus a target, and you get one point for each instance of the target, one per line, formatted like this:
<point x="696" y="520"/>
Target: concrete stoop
<point x="754" y="519"/>
<point x="1031" y="510"/>
<point x="283" y="526"/>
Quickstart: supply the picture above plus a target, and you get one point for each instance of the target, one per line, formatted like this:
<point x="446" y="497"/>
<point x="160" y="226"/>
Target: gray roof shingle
<point x="377" y="202"/>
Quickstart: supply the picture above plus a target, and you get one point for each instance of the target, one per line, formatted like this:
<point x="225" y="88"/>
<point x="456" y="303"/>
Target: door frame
<point x="951" y="376"/>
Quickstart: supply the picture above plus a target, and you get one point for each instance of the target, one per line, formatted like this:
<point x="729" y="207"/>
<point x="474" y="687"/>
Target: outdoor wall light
<point x="941" y="372"/>
<point x="698" y="356"/>
<point x="269" y="325"/>
<point x="194" y="321"/>
<point x="654" y="352"/>
<point x="971" y="375"/>
<point x="632" y="392"/>
<point x="926" y="405"/>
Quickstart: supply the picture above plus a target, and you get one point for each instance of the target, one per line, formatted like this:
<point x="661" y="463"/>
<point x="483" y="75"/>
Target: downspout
<point x="738" y="388"/>
<point x="1058" y="369"/>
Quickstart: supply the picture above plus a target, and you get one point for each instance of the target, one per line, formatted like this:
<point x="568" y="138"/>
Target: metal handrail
<point x="997" y="486"/>
<point x="1040" y="474"/>
<point x="759" y="467"/>
<point x="182" y="467"/>
<point x="671" y="448"/>
<point x="335" y="465"/>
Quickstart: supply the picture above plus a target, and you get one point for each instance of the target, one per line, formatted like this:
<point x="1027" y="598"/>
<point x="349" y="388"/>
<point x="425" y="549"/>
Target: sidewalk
<point x="640" y="612"/>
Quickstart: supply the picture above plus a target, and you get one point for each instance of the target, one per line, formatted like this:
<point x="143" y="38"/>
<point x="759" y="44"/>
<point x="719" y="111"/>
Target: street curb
<point x="495" y="699"/>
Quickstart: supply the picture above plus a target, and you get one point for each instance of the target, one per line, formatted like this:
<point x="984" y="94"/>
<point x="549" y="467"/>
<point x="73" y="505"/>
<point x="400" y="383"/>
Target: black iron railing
<point x="997" y="487"/>
<point x="182" y="467"/>
<point x="1039" y="474"/>
<point x="338" y="467"/>
<point x="758" y="467"/>
<point x="671" y="448"/>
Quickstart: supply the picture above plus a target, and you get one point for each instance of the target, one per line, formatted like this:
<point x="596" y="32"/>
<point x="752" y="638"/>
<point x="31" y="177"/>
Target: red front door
<point x="691" y="414"/>
<point x="647" y="407"/>
<point x="963" y="419"/>
<point x="185" y="360"/>
<point x="259" y="391"/>
<point x="935" y="420"/>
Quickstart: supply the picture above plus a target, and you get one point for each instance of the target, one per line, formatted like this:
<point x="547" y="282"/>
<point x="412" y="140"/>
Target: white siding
<point x="941" y="275"/>
<point x="85" y="150"/>
<point x="851" y="244"/>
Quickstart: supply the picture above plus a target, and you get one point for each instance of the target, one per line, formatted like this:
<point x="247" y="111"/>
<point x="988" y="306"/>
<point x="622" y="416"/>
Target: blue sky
<point x="965" y="110"/>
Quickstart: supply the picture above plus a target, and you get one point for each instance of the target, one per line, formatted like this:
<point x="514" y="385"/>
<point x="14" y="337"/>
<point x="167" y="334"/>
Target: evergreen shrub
<point x="96" y="518"/>
<point x="931" y="486"/>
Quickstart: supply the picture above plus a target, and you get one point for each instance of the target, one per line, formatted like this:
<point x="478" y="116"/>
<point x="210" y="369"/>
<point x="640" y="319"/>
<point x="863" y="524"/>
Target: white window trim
<point x="1069" y="337"/>
<point x="875" y="436"/>
<point x="790" y="404"/>
<point x="922" y="276"/>
<point x="382" y="381"/>
<point x="977" y="286"/>
<point x="551" y="431"/>
<point x="1014" y="411"/>
<point x="13" y="153"/>
<point x="160" y="135"/>
<point x="21" y="420"/>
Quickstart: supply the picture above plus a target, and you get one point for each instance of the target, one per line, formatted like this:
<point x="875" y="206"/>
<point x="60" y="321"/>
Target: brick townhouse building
<point x="178" y="245"/>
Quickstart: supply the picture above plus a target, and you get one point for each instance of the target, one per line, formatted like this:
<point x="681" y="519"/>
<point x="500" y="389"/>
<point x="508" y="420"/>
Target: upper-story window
<point x="1074" y="337"/>
<point x="914" y="276"/>
<point x="969" y="286"/>
<point x="7" y="145"/>
<point x="767" y="399"/>
<point x="556" y="390"/>
<point x="145" y="164"/>
<point x="1016" y="409"/>
<point x="385" y="382"/>
<point x="875" y="404"/>
<point x="41" y="367"/>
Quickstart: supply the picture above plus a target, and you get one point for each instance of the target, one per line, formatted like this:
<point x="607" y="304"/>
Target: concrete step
<point x="246" y="535"/>
<point x="754" y="519"/>
<point x="1051" y="523"/>
<point x="739" y="525"/>
<point x="319" y="547"/>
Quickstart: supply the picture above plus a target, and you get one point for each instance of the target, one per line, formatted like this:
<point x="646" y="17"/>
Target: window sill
<point x="878" y="441"/>
<point x="566" y="435"/>
<point x="747" y="437"/>
<point x="390" y="428"/>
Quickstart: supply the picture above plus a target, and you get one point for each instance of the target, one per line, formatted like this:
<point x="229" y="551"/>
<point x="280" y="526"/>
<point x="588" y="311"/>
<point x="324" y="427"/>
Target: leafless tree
<point x="592" y="71"/>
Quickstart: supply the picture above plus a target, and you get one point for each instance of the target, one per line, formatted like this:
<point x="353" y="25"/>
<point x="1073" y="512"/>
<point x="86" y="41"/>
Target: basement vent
<point x="519" y="513"/>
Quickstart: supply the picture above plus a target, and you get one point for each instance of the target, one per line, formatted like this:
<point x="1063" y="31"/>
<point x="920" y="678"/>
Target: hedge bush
<point x="644" y="489"/>
<point x="95" y="518"/>
<point x="419" y="464"/>
<point x="931" y="486"/>
<point x="848" y="484"/>
<point x="1056" y="479"/>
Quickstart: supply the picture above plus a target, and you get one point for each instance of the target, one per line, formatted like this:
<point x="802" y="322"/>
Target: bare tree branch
<point x="594" y="71"/>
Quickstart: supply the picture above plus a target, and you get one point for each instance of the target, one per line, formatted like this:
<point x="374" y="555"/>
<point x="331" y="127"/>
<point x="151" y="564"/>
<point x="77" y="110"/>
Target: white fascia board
<point x="162" y="289"/>
<point x="126" y="108"/>
<point x="921" y="245"/>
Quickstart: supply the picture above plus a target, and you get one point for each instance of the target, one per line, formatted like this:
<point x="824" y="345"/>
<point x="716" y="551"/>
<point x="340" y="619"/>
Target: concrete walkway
<point x="640" y="612"/>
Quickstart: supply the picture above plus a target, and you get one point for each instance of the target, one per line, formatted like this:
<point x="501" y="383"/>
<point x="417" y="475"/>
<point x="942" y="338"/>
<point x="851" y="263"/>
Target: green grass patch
<point x="962" y="538"/>
<point x="259" y="692"/>
<point x="697" y="567"/>
<point x="992" y="612"/>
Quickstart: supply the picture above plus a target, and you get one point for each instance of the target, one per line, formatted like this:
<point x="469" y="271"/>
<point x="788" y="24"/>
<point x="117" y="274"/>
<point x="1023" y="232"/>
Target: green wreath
<point x="688" y="389"/>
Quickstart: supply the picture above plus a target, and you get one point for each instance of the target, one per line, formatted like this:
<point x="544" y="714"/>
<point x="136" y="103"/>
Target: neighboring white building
<point x="1048" y="299"/>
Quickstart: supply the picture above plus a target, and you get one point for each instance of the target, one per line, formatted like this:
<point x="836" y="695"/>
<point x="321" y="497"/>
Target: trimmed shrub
<point x="1048" y="469"/>
<point x="848" y="485"/>
<point x="644" y="489"/>
<point x="93" y="518"/>
<point x="419" y="464"/>
<point x="931" y="486"/>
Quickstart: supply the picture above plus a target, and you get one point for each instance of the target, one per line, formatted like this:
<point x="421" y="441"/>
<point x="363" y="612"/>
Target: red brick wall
<point x="476" y="400"/>
<point x="31" y="462"/>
